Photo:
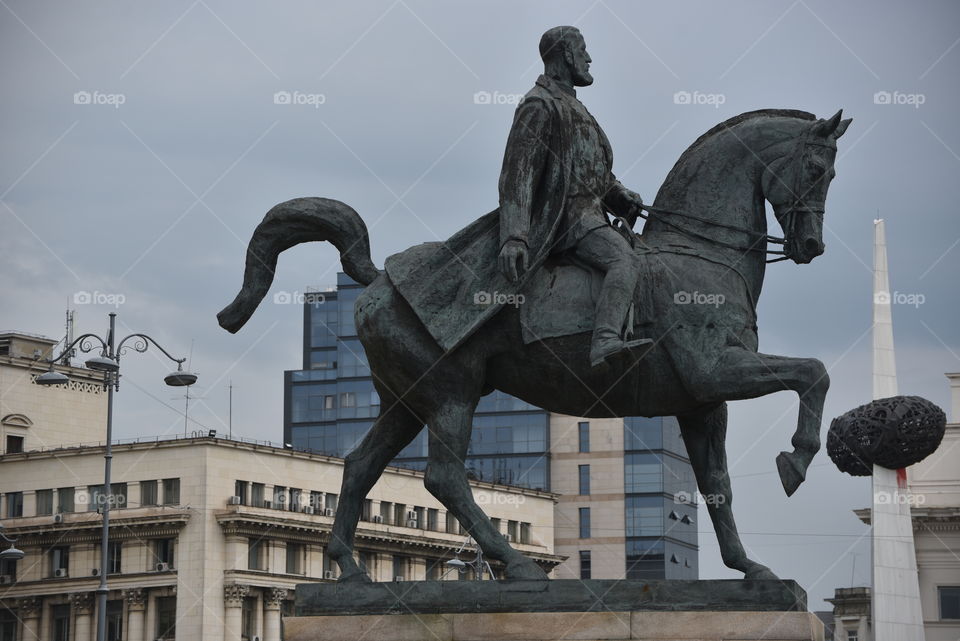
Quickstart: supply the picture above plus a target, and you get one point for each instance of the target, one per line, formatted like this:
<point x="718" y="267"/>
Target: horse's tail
<point x="290" y="223"/>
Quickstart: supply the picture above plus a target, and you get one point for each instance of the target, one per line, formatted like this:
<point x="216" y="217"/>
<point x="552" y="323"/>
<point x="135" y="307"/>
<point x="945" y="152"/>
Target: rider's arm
<point x="523" y="163"/>
<point x="621" y="201"/>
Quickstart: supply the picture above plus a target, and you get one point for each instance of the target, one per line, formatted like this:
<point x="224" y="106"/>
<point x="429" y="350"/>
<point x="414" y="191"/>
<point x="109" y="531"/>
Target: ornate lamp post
<point x="108" y="362"/>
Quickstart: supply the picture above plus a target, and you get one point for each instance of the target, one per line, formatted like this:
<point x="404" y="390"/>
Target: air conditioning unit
<point x="58" y="518"/>
<point x="508" y="537"/>
<point x="377" y="518"/>
<point x="398" y="578"/>
<point x="411" y="522"/>
<point x="95" y="572"/>
<point x="233" y="500"/>
<point x="328" y="511"/>
<point x="163" y="567"/>
<point x="308" y="509"/>
<point x="60" y="573"/>
<point x="411" y="515"/>
<point x="6" y="579"/>
<point x="329" y="574"/>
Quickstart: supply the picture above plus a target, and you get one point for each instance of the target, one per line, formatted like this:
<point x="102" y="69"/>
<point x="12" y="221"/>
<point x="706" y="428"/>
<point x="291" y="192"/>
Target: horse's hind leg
<point x="446" y="478"/>
<point x="393" y="430"/>
<point x="705" y="434"/>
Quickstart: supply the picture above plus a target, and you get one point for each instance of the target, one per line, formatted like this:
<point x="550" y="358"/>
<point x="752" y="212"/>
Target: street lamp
<point x="11" y="553"/>
<point x="108" y="362"/>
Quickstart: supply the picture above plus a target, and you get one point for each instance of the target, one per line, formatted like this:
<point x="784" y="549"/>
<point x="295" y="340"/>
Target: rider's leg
<point x="606" y="250"/>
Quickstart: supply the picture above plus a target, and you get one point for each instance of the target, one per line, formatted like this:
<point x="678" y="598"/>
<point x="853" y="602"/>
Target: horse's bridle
<point x="799" y="206"/>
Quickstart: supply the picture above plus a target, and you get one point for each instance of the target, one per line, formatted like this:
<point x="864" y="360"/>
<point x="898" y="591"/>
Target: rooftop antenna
<point x="230" y="411"/>
<point x="68" y="337"/>
<point x="186" y="397"/>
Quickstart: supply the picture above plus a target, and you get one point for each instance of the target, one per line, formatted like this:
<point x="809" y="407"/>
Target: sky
<point x="143" y="142"/>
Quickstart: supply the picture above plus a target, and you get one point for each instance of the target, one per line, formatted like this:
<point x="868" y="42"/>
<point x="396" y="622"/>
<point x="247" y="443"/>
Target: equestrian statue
<point x="549" y="300"/>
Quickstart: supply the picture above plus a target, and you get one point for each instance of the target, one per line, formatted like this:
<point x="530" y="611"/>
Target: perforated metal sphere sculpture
<point x="891" y="432"/>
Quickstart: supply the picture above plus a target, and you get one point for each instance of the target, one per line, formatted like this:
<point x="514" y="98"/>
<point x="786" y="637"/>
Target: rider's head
<point x="565" y="56"/>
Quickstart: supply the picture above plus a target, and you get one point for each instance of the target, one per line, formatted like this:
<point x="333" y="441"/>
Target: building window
<point x="949" y="602"/>
<point x="294" y="558"/>
<point x="386" y="512"/>
<point x="495" y="522"/>
<point x="257" y="492"/>
<point x="14" y="444"/>
<point x="114" y="620"/>
<point x="95" y="496"/>
<point x="9" y="624"/>
<point x="255" y="555"/>
<point x="59" y="559"/>
<point x="584" y="523"/>
<point x="584" y="564"/>
<point x="512" y="530"/>
<point x="61" y="622"/>
<point x="451" y="523"/>
<point x="332" y="501"/>
<point x="148" y="493"/>
<point x="8" y="568"/>
<point x="240" y="489"/>
<point x="399" y="567"/>
<point x="14" y="504"/>
<point x="65" y="499"/>
<point x="434" y="569"/>
<point x="279" y="496"/>
<point x="584" y="479"/>
<point x="44" y="502"/>
<point x="167" y="618"/>
<point x="316" y="501"/>
<point x="367" y="563"/>
<point x="399" y="512"/>
<point x="433" y="519"/>
<point x="524" y="532"/>
<point x="348" y="399"/>
<point x="171" y="491"/>
<point x="248" y="618"/>
<point x="583" y="431"/>
<point x="852" y="635"/>
<point x="163" y="550"/>
<point x="114" y="557"/>
<point x="295" y="497"/>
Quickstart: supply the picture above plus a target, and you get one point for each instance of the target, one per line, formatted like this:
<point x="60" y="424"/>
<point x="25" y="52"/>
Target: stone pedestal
<point x="558" y="609"/>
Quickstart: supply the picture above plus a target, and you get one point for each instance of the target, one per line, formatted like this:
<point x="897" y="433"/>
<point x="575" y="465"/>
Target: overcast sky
<point x="143" y="143"/>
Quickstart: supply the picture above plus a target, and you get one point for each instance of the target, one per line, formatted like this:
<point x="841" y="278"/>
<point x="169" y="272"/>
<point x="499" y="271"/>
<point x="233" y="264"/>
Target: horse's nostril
<point x="813" y="247"/>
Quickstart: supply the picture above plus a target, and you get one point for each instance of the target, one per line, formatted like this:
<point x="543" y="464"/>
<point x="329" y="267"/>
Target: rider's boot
<point x="607" y="342"/>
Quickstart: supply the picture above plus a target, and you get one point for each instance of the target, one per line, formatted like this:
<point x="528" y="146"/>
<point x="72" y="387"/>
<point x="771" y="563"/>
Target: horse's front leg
<point x="743" y="374"/>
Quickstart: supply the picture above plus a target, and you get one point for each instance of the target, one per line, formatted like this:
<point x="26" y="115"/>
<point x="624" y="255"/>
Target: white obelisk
<point x="896" y="590"/>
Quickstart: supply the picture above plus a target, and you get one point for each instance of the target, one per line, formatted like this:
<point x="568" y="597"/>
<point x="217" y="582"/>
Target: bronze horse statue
<point x="703" y="254"/>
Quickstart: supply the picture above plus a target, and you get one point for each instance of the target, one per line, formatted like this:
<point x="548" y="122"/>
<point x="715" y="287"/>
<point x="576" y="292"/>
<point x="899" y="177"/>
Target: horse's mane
<point x="736" y="120"/>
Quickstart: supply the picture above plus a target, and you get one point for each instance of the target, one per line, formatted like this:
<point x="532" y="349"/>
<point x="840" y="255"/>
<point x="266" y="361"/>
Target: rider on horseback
<point x="551" y="125"/>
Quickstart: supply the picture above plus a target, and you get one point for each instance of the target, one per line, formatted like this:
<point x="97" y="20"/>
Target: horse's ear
<point x="842" y="127"/>
<point x="824" y="128"/>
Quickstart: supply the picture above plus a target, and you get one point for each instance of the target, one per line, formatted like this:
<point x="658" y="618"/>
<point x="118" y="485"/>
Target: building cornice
<point x="85" y="527"/>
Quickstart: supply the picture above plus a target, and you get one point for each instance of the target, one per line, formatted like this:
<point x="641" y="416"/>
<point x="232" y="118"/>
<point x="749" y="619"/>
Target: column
<point x="273" y="599"/>
<point x="233" y="596"/>
<point x="82" y="605"/>
<point x="136" y="599"/>
<point x="28" y="610"/>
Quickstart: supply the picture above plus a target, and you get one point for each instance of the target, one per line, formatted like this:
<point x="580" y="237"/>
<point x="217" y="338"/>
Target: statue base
<point x="556" y="609"/>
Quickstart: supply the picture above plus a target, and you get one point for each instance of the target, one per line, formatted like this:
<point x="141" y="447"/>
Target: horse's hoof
<point x="355" y="577"/>
<point x="525" y="571"/>
<point x="791" y="474"/>
<point x="760" y="573"/>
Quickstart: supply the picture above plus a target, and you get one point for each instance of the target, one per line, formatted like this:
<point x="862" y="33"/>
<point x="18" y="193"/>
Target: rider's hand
<point x="636" y="207"/>
<point x="514" y="251"/>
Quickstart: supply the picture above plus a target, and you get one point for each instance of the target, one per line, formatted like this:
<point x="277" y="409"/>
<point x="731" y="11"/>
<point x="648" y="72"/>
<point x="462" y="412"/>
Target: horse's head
<point x="796" y="183"/>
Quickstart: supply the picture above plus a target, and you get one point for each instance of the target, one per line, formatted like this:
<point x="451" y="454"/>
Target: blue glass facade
<point x="659" y="504"/>
<point x="331" y="403"/>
